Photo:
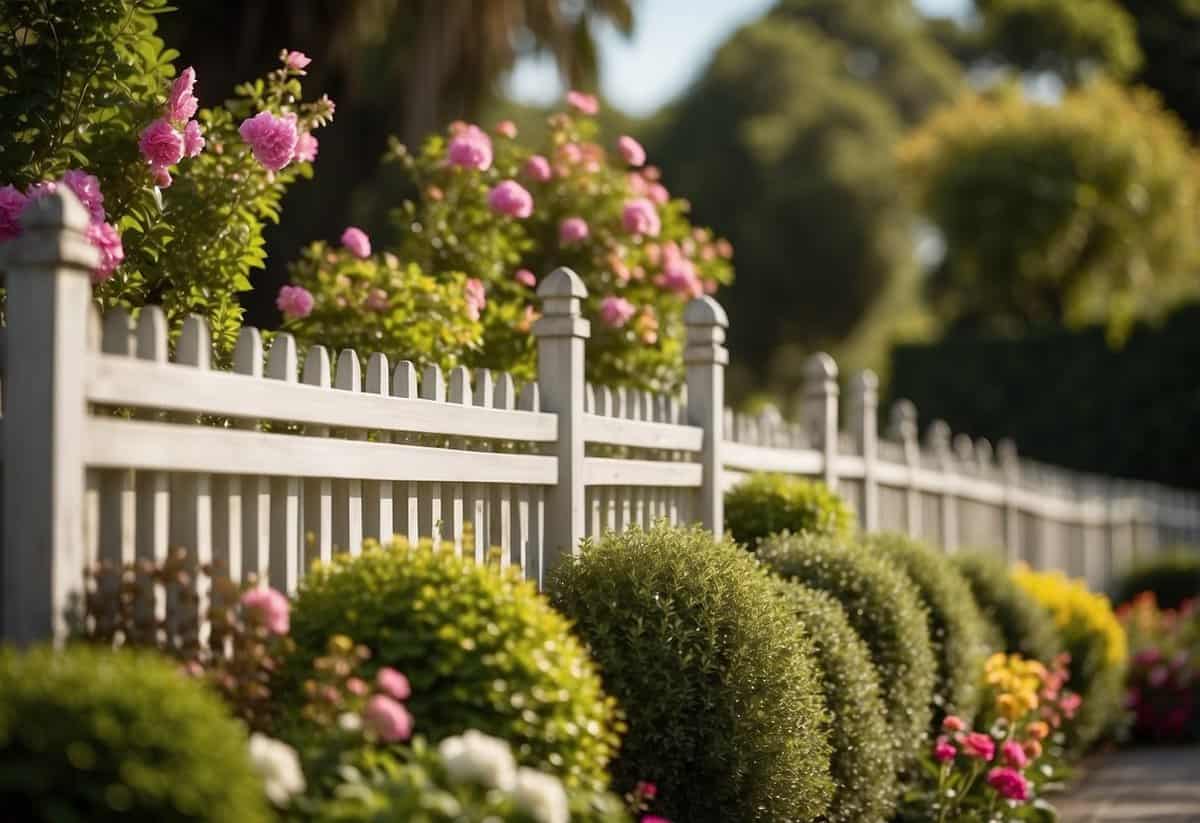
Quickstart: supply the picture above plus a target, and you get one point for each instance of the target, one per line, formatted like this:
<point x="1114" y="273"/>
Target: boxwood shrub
<point x="764" y="504"/>
<point x="1173" y="577"/>
<point x="862" y="765"/>
<point x="717" y="678"/>
<point x="92" y="735"/>
<point x="956" y="627"/>
<point x="885" y="609"/>
<point x="1017" y="622"/>
<point x="481" y="648"/>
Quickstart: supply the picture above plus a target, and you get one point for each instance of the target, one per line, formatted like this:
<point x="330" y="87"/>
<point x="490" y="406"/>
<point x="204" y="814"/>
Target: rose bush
<point x="1163" y="684"/>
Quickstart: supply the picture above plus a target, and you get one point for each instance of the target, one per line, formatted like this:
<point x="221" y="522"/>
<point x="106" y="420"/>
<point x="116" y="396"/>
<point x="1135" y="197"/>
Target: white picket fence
<point x="112" y="450"/>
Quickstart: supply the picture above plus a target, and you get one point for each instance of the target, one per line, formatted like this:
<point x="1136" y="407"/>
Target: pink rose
<point x="506" y="128"/>
<point x="294" y="301"/>
<point x="943" y="750"/>
<point x="538" y="169"/>
<point x="181" y="102"/>
<point x="393" y="682"/>
<point x="162" y="177"/>
<point x="87" y="188"/>
<point x="679" y="276"/>
<point x="631" y="151"/>
<point x="572" y="230"/>
<point x="272" y="138"/>
<point x="616" y="311"/>
<point x="583" y="103"/>
<point x="525" y="278"/>
<point x="570" y="153"/>
<point x="356" y="686"/>
<point x="306" y="148"/>
<point x="355" y="241"/>
<point x="193" y="139"/>
<point x="271" y="607"/>
<point x="161" y="144"/>
<point x="1070" y="704"/>
<point x="476" y="297"/>
<point x="658" y="193"/>
<point x="510" y="198"/>
<point x="105" y="238"/>
<point x="471" y="148"/>
<point x="389" y="720"/>
<point x="979" y="746"/>
<point x="640" y="217"/>
<point x="953" y="723"/>
<point x="12" y="203"/>
<point x="1009" y="783"/>
<point x="1014" y="754"/>
<point x="296" y="60"/>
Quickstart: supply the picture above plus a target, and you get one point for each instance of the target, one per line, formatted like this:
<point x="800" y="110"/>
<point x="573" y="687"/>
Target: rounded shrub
<point x="956" y="627"/>
<point x="1172" y="578"/>
<point x="481" y="649"/>
<point x="764" y="504"/>
<point x="885" y="609"/>
<point x="1016" y="622"/>
<point x="716" y="676"/>
<point x="862" y="765"/>
<point x="91" y="735"/>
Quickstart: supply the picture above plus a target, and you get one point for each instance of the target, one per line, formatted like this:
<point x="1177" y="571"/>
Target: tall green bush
<point x="1017" y="622"/>
<point x="764" y="504"/>
<point x="724" y="699"/>
<point x="1172" y="577"/>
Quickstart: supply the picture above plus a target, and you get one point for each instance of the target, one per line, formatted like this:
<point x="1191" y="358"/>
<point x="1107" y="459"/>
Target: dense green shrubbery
<point x="717" y="678"/>
<point x="956" y="627"/>
<point x="1172" y="577"/>
<point x="885" y="609"/>
<point x="90" y="735"/>
<point x="1018" y="623"/>
<point x="482" y="649"/>
<point x="765" y="504"/>
<point x="863" y="769"/>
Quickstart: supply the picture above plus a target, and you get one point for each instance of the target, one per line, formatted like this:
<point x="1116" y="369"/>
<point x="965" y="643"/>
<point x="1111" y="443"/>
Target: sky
<point x="672" y="44"/>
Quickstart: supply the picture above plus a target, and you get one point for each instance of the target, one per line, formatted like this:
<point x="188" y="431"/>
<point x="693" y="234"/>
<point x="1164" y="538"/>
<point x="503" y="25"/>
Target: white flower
<point x="278" y="766"/>
<point x="349" y="722"/>
<point x="473" y="757"/>
<point x="542" y="796"/>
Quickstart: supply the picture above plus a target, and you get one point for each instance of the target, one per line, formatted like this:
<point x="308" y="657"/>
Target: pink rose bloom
<point x="471" y="148"/>
<point x="12" y="202"/>
<point x="377" y="300"/>
<point x="294" y="301"/>
<point x="87" y="188"/>
<point x="161" y="144"/>
<point x="181" y="102"/>
<point x="355" y="241"/>
<point x="1070" y="704"/>
<point x="538" y="169"/>
<point x="572" y="230"/>
<point x="631" y="151"/>
<point x="510" y="198"/>
<point x="306" y="148"/>
<point x="953" y="723"/>
<point x="162" y="177"/>
<point x="679" y="276"/>
<point x="583" y="103"/>
<point x="616" y="311"/>
<point x="570" y="153"/>
<point x="389" y="720"/>
<point x="105" y="238"/>
<point x="943" y="750"/>
<point x="1009" y="783"/>
<point x="193" y="139"/>
<point x="525" y="277"/>
<point x="356" y="686"/>
<point x="270" y="606"/>
<point x="296" y="60"/>
<point x="476" y="297"/>
<point x="1014" y="754"/>
<point x="393" y="682"/>
<point x="506" y="128"/>
<point x="272" y="138"/>
<point x="979" y="746"/>
<point x="640" y="217"/>
<point x="658" y="193"/>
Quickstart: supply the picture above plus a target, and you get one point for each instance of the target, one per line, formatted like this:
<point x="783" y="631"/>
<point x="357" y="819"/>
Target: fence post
<point x="49" y="291"/>
<point x="1010" y="465"/>
<point x="902" y="426"/>
<point x="864" y="412"/>
<point x="706" y="357"/>
<point x="937" y="437"/>
<point x="821" y="411"/>
<point x="561" y="338"/>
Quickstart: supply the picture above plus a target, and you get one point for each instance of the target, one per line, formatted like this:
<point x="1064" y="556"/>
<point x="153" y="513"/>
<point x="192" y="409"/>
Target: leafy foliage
<point x="764" y="504"/>
<point x="716" y="676"/>
<point x="885" y="609"/>
<point x="1172" y="577"/>
<point x="94" y="735"/>
<point x="1017" y="623"/>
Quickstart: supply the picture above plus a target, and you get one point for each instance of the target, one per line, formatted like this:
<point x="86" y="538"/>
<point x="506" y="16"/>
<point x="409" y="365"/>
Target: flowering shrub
<point x="765" y="504"/>
<point x="1016" y="621"/>
<point x="1163" y="684"/>
<point x="502" y="214"/>
<point x="1172" y="576"/>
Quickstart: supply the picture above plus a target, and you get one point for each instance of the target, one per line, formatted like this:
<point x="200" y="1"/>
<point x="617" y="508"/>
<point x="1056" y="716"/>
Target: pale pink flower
<point x="306" y="148"/>
<point x="12" y="202"/>
<point x="296" y="60"/>
<point x="658" y="193"/>
<point x="161" y="144"/>
<point x="525" y="277"/>
<point x="105" y="238"/>
<point x="356" y="686"/>
<point x="476" y="297"/>
<point x="943" y="750"/>
<point x="294" y="301"/>
<point x="270" y="606"/>
<point x="570" y="153"/>
<point x="638" y="185"/>
<point x="355" y="241"/>
<point x="538" y="169"/>
<point x="162" y="177"/>
<point x="193" y="139"/>
<point x="87" y="188"/>
<point x="631" y="151"/>
<point x="507" y="128"/>
<point x="181" y="102"/>
<point x="573" y="230"/>
<point x="471" y="148"/>
<point x="640" y="217"/>
<point x="953" y="723"/>
<point x="978" y="745"/>
<point x="389" y="720"/>
<point x="377" y="300"/>
<point x="393" y="682"/>
<point x="1014" y="754"/>
<point x="272" y="138"/>
<point x="1009" y="784"/>
<point x="1070" y="704"/>
<point x="679" y="275"/>
<point x="616" y="311"/>
<point x="511" y="198"/>
<point x="582" y="102"/>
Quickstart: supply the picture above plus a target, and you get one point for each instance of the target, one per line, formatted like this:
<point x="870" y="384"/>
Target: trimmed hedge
<point x="956" y="627"/>
<point x="91" y="735"/>
<point x="717" y="678"/>
<point x="1173" y="577"/>
<point x="864" y="771"/>
<point x="481" y="648"/>
<point x="764" y="504"/>
<point x="885" y="609"/>
<point x="1016" y="622"/>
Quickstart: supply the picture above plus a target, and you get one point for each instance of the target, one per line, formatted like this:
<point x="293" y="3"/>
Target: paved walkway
<point x="1151" y="785"/>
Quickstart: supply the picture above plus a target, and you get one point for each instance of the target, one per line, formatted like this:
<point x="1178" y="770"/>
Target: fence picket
<point x="285" y="556"/>
<point x="377" y="494"/>
<point x="404" y="384"/>
<point x="431" y="513"/>
<point x="347" y="493"/>
<point x="317" y="502"/>
<point x="460" y="392"/>
<point x="500" y="525"/>
<point x="478" y="495"/>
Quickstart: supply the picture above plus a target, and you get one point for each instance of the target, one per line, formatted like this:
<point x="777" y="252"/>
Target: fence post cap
<point x="560" y="283"/>
<point x="55" y="234"/>
<point x="705" y="311"/>
<point x="864" y="381"/>
<point x="820" y="367"/>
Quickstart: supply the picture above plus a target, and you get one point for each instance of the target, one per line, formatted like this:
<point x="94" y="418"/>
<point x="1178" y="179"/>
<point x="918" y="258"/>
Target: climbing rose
<point x="507" y="128"/>
<point x="393" y="682"/>
<point x="271" y="607"/>
<point x="1070" y="704"/>
<point x="943" y="750"/>
<point x="105" y="238"/>
<point x="538" y="168"/>
<point x="11" y="204"/>
<point x="510" y="198"/>
<point x="1014" y="754"/>
<point x="953" y="723"/>
<point x="162" y="177"/>
<point x="161" y="144"/>
<point x="306" y="148"/>
<point x="476" y="297"/>
<point x="632" y="151"/>
<point x="296" y="60"/>
<point x="616" y="311"/>
<point x="525" y="277"/>
<point x="572" y="230"/>
<point x="193" y="139"/>
<point x="271" y="138"/>
<point x="658" y="193"/>
<point x="355" y="241"/>
<point x="388" y="719"/>
<point x="294" y="301"/>
<point x="1010" y="783"/>
<point x="87" y="188"/>
<point x="679" y="275"/>
<point x="181" y="102"/>
<point x="640" y="217"/>
<point x="979" y="746"/>
<point x="583" y="103"/>
<point x="471" y="148"/>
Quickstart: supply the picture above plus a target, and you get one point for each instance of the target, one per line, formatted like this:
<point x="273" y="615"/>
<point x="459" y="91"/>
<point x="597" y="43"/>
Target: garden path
<point x="1150" y="785"/>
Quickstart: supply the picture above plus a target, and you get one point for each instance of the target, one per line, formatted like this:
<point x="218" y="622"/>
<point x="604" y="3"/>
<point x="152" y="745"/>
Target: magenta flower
<point x="272" y="138"/>
<point x="616" y="311"/>
<point x="193" y="139"/>
<point x="510" y="198"/>
<point x="640" y="217"/>
<point x="979" y="746"/>
<point x="537" y="168"/>
<point x="476" y="297"/>
<point x="471" y="148"/>
<point x="507" y="128"/>
<point x="105" y="238"/>
<point x="1009" y="783"/>
<point x="943" y="750"/>
<point x="1014" y="754"/>
<point x="306" y="148"/>
<point x="393" y="682"/>
<point x="573" y="230"/>
<point x="294" y="302"/>
<point x="583" y="103"/>
<point x="162" y="177"/>
<point x="296" y="60"/>
<point x="161" y="144"/>
<point x="355" y="241"/>
<point x="87" y="188"/>
<point x="271" y="607"/>
<point x="389" y="720"/>
<point x="525" y="277"/>
<point x="631" y="151"/>
<point x="12" y="203"/>
<point x="181" y="102"/>
<point x="653" y="818"/>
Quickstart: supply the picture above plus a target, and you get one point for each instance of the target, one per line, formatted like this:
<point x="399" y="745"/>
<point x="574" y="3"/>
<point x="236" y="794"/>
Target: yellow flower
<point x="1009" y="707"/>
